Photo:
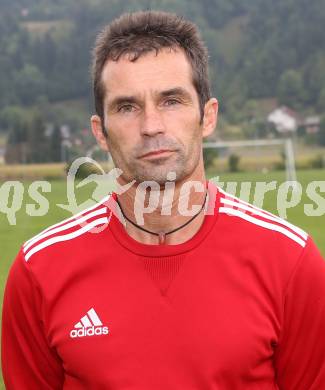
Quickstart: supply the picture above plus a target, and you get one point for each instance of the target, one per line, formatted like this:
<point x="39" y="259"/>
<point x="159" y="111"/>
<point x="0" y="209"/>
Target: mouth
<point x="157" y="153"/>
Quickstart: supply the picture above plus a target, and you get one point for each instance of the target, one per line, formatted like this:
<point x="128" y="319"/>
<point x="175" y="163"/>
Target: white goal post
<point x="286" y="143"/>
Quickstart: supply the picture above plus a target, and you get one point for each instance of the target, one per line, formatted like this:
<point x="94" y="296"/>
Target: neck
<point x="164" y="210"/>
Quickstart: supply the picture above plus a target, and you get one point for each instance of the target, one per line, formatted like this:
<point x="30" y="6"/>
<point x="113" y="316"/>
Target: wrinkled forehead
<point x="151" y="72"/>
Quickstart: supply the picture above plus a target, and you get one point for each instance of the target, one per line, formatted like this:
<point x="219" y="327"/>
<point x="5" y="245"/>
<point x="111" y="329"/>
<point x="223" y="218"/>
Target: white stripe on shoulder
<point x="296" y="229"/>
<point x="230" y="196"/>
<point x="65" y="237"/>
<point x="106" y="198"/>
<point x="271" y="217"/>
<point x="267" y="225"/>
<point x="235" y="198"/>
<point x="65" y="226"/>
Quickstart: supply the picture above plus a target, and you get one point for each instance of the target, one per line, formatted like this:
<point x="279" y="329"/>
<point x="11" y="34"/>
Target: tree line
<point x="280" y="54"/>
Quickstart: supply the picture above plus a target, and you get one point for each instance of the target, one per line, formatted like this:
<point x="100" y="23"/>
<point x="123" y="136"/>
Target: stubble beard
<point x="181" y="163"/>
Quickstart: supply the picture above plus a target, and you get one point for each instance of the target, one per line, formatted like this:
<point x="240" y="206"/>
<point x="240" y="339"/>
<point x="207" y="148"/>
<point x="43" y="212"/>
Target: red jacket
<point x="239" y="306"/>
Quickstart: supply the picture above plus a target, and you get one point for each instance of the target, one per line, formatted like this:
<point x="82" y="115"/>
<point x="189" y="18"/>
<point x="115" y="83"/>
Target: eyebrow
<point x="178" y="91"/>
<point x="122" y="99"/>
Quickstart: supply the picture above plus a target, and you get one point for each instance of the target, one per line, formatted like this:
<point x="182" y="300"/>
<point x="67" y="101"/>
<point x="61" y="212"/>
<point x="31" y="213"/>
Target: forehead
<point x="149" y="72"/>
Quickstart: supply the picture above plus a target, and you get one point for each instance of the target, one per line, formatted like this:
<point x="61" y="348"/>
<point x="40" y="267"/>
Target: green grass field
<point x="11" y="237"/>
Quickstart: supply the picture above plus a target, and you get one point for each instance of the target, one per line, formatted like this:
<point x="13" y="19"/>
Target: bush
<point x="233" y="162"/>
<point x="318" y="162"/>
<point x="321" y="133"/>
<point x="84" y="170"/>
<point x="209" y="155"/>
<point x="279" y="166"/>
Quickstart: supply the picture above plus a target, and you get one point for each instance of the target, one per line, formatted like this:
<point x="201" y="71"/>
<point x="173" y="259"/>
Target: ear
<point x="210" y="117"/>
<point x="97" y="129"/>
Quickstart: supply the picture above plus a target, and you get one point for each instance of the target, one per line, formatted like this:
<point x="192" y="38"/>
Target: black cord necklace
<point x="162" y="235"/>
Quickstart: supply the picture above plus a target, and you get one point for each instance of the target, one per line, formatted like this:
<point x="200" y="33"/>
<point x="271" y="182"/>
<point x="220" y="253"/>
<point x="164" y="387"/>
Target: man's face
<point x="152" y="116"/>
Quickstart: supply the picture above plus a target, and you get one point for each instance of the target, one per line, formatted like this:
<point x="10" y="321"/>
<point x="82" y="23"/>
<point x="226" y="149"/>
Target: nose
<point x="152" y="123"/>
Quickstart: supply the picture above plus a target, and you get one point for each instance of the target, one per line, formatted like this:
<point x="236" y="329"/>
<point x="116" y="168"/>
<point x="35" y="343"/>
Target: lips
<point x="156" y="153"/>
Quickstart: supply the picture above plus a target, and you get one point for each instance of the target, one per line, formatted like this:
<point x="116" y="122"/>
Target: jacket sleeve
<point x="300" y="355"/>
<point x="28" y="362"/>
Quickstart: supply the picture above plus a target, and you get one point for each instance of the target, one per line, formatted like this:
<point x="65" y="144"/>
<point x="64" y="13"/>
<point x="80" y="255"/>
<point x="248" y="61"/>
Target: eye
<point x="171" y="102"/>
<point x="126" y="108"/>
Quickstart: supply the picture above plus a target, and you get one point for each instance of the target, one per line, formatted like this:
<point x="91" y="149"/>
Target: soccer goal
<point x="286" y="143"/>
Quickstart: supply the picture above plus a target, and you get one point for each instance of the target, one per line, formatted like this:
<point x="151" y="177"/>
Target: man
<point x="197" y="290"/>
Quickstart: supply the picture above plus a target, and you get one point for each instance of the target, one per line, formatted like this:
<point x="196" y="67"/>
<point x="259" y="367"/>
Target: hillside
<point x="259" y="50"/>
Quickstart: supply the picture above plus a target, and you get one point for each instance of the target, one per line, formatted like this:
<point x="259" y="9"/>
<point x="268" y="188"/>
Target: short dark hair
<point x="140" y="32"/>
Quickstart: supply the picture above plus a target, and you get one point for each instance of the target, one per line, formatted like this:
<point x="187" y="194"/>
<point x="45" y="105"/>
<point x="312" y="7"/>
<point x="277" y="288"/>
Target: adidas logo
<point x="89" y="325"/>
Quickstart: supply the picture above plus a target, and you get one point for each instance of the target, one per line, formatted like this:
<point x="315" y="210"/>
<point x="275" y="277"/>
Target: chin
<point x="161" y="176"/>
<point x="158" y="172"/>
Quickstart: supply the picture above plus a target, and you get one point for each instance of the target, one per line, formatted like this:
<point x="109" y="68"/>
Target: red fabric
<point x="242" y="307"/>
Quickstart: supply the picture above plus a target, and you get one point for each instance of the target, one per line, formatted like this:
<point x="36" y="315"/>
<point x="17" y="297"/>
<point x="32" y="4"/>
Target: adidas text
<point x="91" y="331"/>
